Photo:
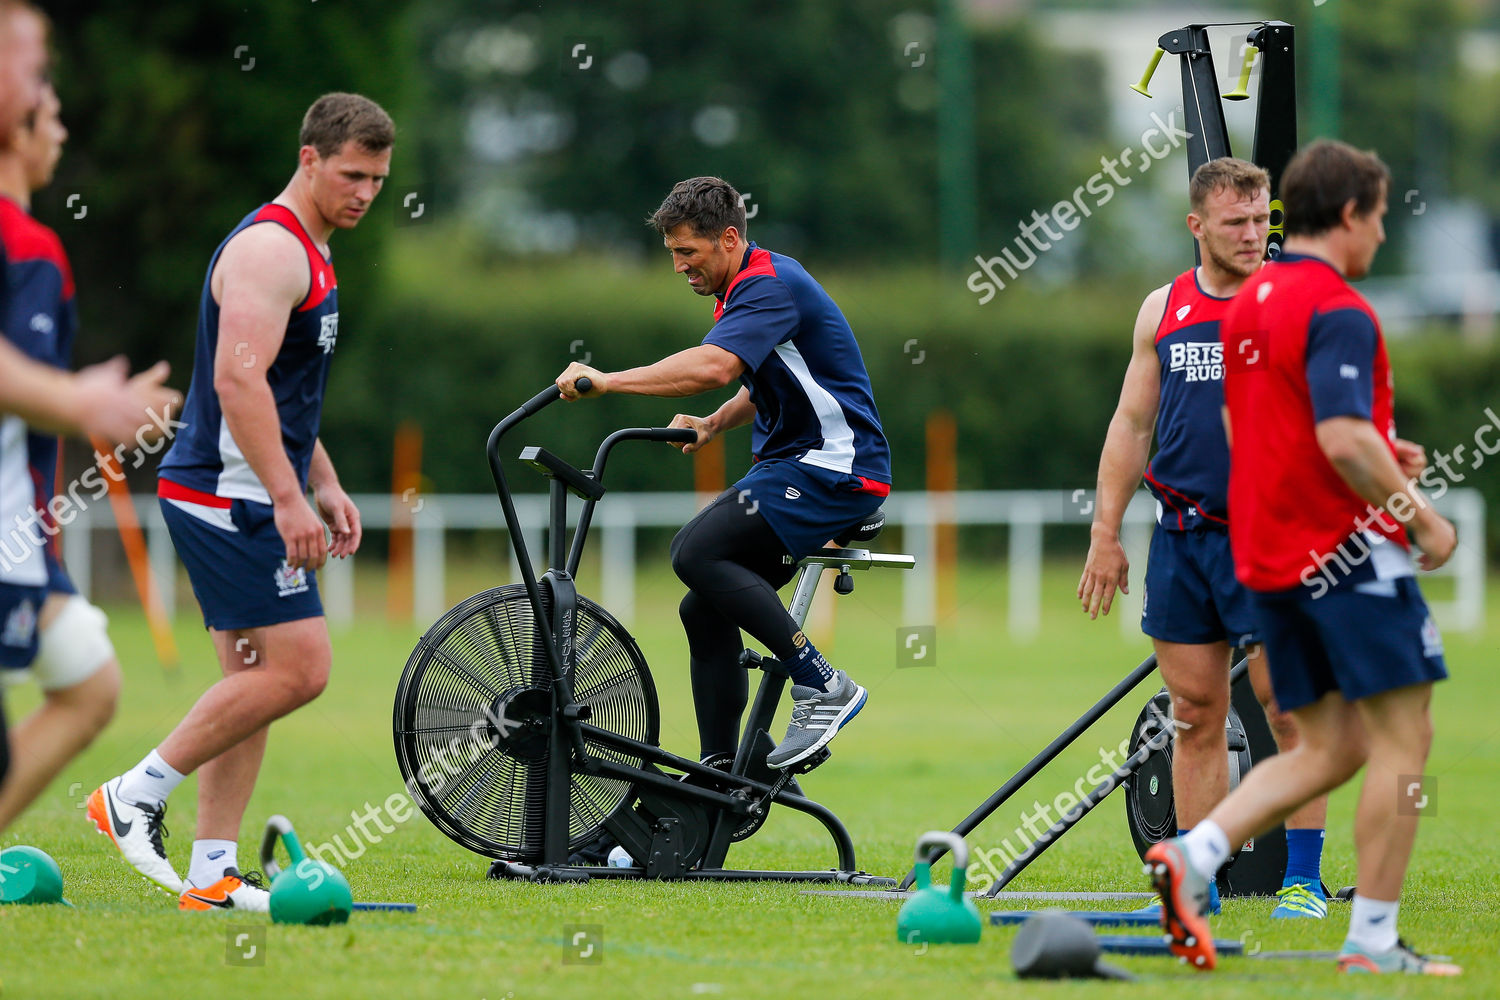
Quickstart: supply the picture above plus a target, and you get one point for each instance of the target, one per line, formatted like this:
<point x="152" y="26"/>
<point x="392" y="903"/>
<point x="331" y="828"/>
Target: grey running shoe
<point x="1353" y="958"/>
<point x="816" y="717"/>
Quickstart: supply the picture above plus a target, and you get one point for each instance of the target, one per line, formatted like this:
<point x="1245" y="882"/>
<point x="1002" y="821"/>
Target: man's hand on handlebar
<point x="697" y="424"/>
<point x="567" y="382"/>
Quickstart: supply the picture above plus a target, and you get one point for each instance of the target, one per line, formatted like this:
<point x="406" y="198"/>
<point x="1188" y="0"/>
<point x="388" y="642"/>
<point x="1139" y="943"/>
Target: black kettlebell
<point x="1057" y="945"/>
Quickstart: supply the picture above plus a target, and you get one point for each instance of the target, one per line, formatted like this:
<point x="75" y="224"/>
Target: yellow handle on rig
<point x="1242" y="92"/>
<point x="1140" y="88"/>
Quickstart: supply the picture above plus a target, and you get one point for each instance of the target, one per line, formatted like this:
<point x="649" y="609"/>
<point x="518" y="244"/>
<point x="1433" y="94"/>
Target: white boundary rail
<point x="1025" y="513"/>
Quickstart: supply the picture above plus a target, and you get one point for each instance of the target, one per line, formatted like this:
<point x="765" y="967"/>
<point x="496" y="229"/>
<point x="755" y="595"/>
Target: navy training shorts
<point x="20" y="607"/>
<point x="236" y="561"/>
<point x="1192" y="595"/>
<point x="1360" y="640"/>
<point x="806" y="505"/>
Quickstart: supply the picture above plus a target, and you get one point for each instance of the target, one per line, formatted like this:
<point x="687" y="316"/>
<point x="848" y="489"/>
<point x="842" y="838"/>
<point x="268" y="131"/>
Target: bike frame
<point x="731" y="796"/>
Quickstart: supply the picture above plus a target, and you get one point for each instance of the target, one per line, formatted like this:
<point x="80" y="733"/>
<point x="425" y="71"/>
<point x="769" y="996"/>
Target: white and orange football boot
<point x="244" y="892"/>
<point x="137" y="831"/>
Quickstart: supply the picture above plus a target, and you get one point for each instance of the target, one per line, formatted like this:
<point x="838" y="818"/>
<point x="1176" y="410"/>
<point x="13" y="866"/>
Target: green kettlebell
<point x="934" y="915"/>
<point x="309" y="892"/>
<point x="29" y="875"/>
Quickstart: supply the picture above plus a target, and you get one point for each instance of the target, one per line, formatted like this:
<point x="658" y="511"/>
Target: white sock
<point x="1372" y="924"/>
<point x="1206" y="847"/>
<point x="150" y="782"/>
<point x="210" y="858"/>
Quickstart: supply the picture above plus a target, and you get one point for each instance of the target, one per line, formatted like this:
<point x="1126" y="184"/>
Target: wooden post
<point x="135" y="553"/>
<point x="942" y="482"/>
<point x="708" y="471"/>
<point x="406" y="480"/>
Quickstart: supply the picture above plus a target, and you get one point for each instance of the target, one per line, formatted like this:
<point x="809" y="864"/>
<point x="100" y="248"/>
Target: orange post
<point x="406" y="481"/>
<point x="708" y="471"/>
<point x="942" y="482"/>
<point x="135" y="553"/>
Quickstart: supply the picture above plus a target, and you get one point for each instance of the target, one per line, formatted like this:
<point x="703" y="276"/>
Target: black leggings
<point x="733" y="564"/>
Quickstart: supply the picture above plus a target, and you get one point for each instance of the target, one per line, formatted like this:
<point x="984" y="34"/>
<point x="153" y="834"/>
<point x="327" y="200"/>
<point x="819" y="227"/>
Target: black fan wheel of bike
<point x="473" y="714"/>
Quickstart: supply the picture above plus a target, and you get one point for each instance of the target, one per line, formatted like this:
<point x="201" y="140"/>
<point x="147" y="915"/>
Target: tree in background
<point x="184" y="117"/>
<point x="559" y="128"/>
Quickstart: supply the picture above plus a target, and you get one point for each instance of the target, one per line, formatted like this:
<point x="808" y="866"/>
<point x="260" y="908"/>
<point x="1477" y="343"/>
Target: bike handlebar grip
<point x="541" y="399"/>
<point x="685" y="435"/>
<point x="584" y="385"/>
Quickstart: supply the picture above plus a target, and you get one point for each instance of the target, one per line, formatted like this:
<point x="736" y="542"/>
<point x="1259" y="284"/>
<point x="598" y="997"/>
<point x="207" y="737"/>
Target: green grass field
<point x="932" y="743"/>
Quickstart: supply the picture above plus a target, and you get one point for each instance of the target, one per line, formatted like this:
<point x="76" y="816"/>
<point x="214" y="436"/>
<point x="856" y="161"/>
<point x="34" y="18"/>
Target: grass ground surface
<point x="932" y="743"/>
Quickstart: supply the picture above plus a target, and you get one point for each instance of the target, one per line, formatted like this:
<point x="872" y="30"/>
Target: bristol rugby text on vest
<point x="1200" y="361"/>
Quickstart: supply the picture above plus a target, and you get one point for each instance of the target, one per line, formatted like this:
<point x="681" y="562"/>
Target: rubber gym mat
<point x="1152" y="944"/>
<point x="892" y="894"/>
<point x="1098" y="918"/>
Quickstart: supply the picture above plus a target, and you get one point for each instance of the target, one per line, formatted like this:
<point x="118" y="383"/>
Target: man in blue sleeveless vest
<point x="233" y="491"/>
<point x="1195" y="610"/>
<point x="821" y="463"/>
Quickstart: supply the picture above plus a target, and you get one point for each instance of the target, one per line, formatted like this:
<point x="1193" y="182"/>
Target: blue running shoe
<point x="1301" y="899"/>
<point x="1154" y="907"/>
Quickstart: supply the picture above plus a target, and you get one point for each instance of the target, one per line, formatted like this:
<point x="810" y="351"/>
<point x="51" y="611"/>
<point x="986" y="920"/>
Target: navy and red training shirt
<point x="1301" y="346"/>
<point x="205" y="464"/>
<point x="806" y="377"/>
<point x="1189" y="474"/>
<point x="37" y="315"/>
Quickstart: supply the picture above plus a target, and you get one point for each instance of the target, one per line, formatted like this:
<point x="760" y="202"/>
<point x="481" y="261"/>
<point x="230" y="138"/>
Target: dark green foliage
<point x="176" y="135"/>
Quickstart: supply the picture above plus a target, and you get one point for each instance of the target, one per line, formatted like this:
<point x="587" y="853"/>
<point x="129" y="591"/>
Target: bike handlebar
<point x="681" y="435"/>
<point x="535" y="405"/>
<point x="550" y="395"/>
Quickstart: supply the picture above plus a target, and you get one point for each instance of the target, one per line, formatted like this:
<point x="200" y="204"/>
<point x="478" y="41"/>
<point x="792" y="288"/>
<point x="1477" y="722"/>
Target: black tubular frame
<point x="730" y="797"/>
<point x="1276" y="106"/>
<point x="1098" y="794"/>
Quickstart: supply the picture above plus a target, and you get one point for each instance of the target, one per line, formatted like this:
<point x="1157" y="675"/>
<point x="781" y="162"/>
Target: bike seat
<point x="863" y="530"/>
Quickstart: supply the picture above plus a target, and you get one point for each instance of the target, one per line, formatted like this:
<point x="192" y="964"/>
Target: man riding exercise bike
<point x="821" y="462"/>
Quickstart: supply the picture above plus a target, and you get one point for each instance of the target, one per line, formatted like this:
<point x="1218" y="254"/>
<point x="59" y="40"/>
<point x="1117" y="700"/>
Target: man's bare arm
<point x="99" y="400"/>
<point x="736" y="412"/>
<point x="1127" y="446"/>
<point x="263" y="275"/>
<point x="686" y="373"/>
<point x="1360" y="455"/>
<point x="334" y="505"/>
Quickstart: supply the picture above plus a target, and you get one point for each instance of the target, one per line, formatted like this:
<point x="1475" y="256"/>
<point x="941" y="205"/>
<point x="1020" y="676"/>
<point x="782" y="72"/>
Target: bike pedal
<point x="821" y="757"/>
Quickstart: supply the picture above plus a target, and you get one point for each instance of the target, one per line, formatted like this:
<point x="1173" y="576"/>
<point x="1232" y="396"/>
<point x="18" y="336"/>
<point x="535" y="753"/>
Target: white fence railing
<point x="1024" y="513"/>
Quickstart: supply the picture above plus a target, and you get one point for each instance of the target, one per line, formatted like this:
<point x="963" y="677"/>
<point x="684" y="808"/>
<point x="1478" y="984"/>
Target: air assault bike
<point x="526" y="720"/>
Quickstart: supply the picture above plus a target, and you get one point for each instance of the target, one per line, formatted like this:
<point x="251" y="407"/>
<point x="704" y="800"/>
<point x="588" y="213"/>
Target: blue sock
<point x="1213" y="890"/>
<point x="808" y="667"/>
<point x="1304" y="856"/>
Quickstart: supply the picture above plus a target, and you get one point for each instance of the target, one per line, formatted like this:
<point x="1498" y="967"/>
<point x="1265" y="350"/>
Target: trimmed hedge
<point x="1032" y="377"/>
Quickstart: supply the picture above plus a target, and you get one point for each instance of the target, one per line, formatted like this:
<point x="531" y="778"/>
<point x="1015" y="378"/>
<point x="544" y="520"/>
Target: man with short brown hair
<point x="233" y="491"/>
<point x="1194" y="610"/>
<point x="820" y="462"/>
